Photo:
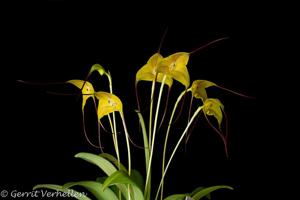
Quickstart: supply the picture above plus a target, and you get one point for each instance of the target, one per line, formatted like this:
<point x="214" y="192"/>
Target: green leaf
<point x="67" y="191"/>
<point x="120" y="177"/>
<point x="101" y="162"/>
<point x="95" y="188"/>
<point x="137" y="178"/>
<point x="177" y="197"/>
<point x="106" y="166"/>
<point x="112" y="159"/>
<point x="204" y="192"/>
<point x="114" y="188"/>
<point x="197" y="190"/>
<point x="101" y="179"/>
<point x="145" y="139"/>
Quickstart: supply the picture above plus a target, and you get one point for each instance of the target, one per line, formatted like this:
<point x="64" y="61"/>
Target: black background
<point x="56" y="41"/>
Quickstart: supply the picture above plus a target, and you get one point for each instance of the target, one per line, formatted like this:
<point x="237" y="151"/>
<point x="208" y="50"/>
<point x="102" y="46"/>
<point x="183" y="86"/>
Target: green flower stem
<point x="114" y="116"/>
<point x="128" y="152"/>
<point x="116" y="145"/>
<point x="147" y="185"/>
<point x="167" y="137"/>
<point x="111" y="91"/>
<point x="115" y="141"/>
<point x="150" y="112"/>
<point x="127" y="142"/>
<point x="176" y="147"/>
<point x="115" y="135"/>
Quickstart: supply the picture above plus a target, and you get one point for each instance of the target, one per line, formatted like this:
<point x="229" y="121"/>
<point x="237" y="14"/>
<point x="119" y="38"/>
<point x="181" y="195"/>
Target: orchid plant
<point x="121" y="180"/>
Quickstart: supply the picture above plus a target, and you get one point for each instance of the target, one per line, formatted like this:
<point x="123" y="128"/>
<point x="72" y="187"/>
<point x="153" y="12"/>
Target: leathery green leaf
<point x="67" y="191"/>
<point x="137" y="178"/>
<point x="114" y="188"/>
<point x="103" y="164"/>
<point x="204" y="192"/>
<point x="197" y="190"/>
<point x="177" y="197"/>
<point x="113" y="160"/>
<point x="99" y="161"/>
<point x="120" y="177"/>
<point x="95" y="188"/>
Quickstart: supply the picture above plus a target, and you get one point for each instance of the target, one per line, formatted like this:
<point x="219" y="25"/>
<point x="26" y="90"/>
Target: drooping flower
<point x="107" y="104"/>
<point x="87" y="90"/>
<point x="211" y="107"/>
<point x="214" y="107"/>
<point x="198" y="89"/>
<point x="97" y="67"/>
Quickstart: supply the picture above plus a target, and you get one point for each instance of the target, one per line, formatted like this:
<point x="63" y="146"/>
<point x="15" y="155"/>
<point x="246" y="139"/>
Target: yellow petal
<point x="108" y="103"/>
<point x="175" y="67"/>
<point x="199" y="89"/>
<point x="149" y="71"/>
<point x="214" y="107"/>
<point x="87" y="91"/>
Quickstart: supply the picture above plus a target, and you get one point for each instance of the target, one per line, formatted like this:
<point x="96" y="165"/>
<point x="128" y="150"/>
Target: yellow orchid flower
<point x="174" y="66"/>
<point x="149" y="71"/>
<point x="108" y="103"/>
<point x="87" y="90"/>
<point x="214" y="107"/>
<point x="97" y="67"/>
<point x="198" y="89"/>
